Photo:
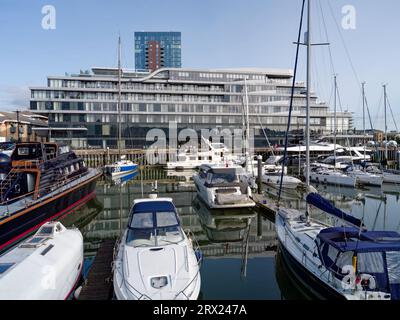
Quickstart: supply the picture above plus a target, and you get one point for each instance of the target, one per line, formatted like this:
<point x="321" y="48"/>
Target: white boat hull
<point x="288" y="182"/>
<point x="368" y="179"/>
<point x="298" y="240"/>
<point x="48" y="272"/>
<point x="391" y="177"/>
<point x="135" y="267"/>
<point x="336" y="178"/>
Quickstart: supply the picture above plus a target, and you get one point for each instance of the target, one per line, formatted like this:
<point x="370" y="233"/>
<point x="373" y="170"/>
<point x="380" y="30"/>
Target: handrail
<point x="60" y="184"/>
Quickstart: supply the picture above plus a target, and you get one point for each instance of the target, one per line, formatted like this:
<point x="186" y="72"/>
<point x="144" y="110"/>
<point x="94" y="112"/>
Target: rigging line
<point x="376" y="216"/>
<point x="323" y="60"/>
<point x="327" y="38"/>
<point x="377" y="116"/>
<point x="391" y="112"/>
<point x="372" y="128"/>
<point x="345" y="46"/>
<point x="292" y="96"/>
<point x="341" y="110"/>
<point x="265" y="135"/>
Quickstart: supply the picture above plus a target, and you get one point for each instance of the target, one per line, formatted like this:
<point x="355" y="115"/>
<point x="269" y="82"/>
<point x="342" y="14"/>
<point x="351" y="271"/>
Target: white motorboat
<point x="192" y="158"/>
<point x="46" y="266"/>
<point x="273" y="178"/>
<point x="120" y="167"/>
<point x="156" y="260"/>
<point x="345" y="262"/>
<point x="222" y="186"/>
<point x="330" y="176"/>
<point x="273" y="164"/>
<point x="389" y="175"/>
<point x="364" y="177"/>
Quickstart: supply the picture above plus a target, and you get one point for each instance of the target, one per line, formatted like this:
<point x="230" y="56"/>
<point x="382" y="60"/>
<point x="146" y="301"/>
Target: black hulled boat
<point x="44" y="182"/>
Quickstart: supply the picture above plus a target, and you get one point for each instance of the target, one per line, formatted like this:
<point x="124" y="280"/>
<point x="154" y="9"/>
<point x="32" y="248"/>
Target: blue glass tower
<point x="155" y="50"/>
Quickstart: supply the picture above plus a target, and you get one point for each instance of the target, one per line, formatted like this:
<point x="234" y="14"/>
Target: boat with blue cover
<point x="346" y="261"/>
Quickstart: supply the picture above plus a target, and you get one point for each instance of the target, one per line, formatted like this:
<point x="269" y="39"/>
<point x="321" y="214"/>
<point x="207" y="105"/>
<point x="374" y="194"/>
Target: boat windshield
<point x="149" y="229"/>
<point x="223" y="177"/>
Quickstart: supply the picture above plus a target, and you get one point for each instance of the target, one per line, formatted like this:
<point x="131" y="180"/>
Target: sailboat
<point x="363" y="176"/>
<point x="122" y="166"/>
<point x="333" y="176"/>
<point x="347" y="261"/>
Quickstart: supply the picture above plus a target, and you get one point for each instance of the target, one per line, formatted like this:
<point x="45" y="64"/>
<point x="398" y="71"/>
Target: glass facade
<point x="196" y="99"/>
<point x="155" y="50"/>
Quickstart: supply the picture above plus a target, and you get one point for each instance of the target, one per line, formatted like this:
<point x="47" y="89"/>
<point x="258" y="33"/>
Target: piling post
<point x="259" y="174"/>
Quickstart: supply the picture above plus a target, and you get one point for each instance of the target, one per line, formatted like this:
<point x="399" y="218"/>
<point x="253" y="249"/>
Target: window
<point x="5" y="266"/>
<point x="370" y="262"/>
<point x="142" y="220"/>
<point x="393" y="266"/>
<point x="165" y="219"/>
<point x="23" y="151"/>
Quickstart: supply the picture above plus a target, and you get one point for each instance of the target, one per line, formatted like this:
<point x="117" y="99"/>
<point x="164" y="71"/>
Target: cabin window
<point x="46" y="230"/>
<point x="23" y="151"/>
<point x="202" y="174"/>
<point x="166" y="218"/>
<point x="5" y="266"/>
<point x="332" y="253"/>
<point x="72" y="168"/>
<point x="345" y="259"/>
<point x="142" y="220"/>
<point x="370" y="262"/>
<point x="393" y="266"/>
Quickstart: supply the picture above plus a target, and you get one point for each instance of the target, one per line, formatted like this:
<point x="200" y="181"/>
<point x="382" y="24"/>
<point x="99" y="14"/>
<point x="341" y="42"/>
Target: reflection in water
<point x="223" y="225"/>
<point x="239" y="246"/>
<point x="122" y="179"/>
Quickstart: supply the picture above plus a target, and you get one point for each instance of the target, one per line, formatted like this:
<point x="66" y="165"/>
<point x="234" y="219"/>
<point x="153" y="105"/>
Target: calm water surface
<point x="241" y="260"/>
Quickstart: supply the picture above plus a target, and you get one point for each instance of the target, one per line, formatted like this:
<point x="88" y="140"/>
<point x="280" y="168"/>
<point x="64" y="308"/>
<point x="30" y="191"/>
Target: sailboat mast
<point x="334" y="120"/>
<point x="363" y="104"/>
<point x="386" y="136"/>
<point x="247" y="122"/>
<point x="308" y="93"/>
<point x="119" y="97"/>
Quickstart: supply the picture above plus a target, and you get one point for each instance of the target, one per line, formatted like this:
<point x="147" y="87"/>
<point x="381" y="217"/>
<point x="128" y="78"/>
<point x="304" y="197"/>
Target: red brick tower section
<point x="154" y="55"/>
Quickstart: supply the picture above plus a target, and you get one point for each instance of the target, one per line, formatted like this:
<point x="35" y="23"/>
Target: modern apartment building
<point x="82" y="109"/>
<point x="154" y="50"/>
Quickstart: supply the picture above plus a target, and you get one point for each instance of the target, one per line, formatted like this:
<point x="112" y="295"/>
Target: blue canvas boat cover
<point x="318" y="201"/>
<point x="350" y="239"/>
<point x="153" y="206"/>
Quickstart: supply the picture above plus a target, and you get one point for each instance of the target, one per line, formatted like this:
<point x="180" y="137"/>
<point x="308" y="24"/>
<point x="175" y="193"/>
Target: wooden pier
<point x="99" y="285"/>
<point x="265" y="203"/>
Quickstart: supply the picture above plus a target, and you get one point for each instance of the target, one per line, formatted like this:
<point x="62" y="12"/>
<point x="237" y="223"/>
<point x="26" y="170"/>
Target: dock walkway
<point x="98" y="285"/>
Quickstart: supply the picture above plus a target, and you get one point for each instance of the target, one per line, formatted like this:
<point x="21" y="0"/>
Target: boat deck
<point x="7" y="210"/>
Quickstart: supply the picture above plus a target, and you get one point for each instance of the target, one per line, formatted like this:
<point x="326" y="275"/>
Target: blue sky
<point x="215" y="34"/>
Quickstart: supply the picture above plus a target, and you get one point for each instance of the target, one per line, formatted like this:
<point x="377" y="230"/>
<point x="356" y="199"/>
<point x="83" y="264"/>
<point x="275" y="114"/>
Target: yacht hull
<point x="287" y="182"/>
<point x="309" y="281"/>
<point x="120" y="170"/>
<point x="333" y="179"/>
<point x="24" y="222"/>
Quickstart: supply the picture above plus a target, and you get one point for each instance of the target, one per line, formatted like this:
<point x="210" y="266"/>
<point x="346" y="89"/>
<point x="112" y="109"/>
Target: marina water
<point x="241" y="257"/>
